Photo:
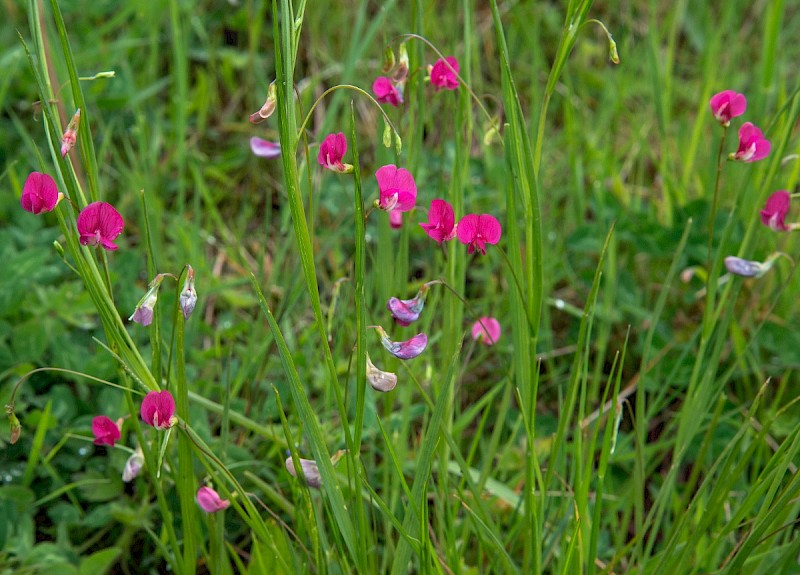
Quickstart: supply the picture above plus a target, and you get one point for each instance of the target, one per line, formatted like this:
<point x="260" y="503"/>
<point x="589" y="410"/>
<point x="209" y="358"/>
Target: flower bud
<point x="71" y="134"/>
<point x="143" y="314"/>
<point x="380" y="380"/>
<point x="310" y="471"/>
<point x="133" y="466"/>
<point x="188" y="297"/>
<point x="269" y="106"/>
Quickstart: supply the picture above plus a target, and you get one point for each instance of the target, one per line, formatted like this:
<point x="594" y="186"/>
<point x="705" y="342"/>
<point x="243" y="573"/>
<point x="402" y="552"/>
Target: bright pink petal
<point x="442" y="77"/>
<point x="264" y="148"/>
<point x="727" y="105"/>
<point x="39" y="193"/>
<point x="105" y="431"/>
<point x="210" y="501"/>
<point x="100" y="223"/>
<point x="386" y="92"/>
<point x="396" y="219"/>
<point x="489" y="228"/>
<point x="398" y="191"/>
<point x="486" y="330"/>
<point x="441" y="221"/>
<point x="467" y="228"/>
<point x="157" y="410"/>
<point x="331" y="152"/>
<point x="774" y="213"/>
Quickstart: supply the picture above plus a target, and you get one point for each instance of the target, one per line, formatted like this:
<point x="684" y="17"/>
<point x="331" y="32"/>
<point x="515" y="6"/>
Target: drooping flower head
<point x="753" y="146"/>
<point x="386" y="92"/>
<point x="269" y="106"/>
<point x="133" y="466"/>
<point x="210" y="501"/>
<point x="486" y="330"/>
<point x="403" y="349"/>
<point x="748" y="268"/>
<point x="331" y="152"/>
<point x="397" y="189"/>
<point x="406" y="311"/>
<point x="727" y="105"/>
<point x="188" y="297"/>
<point x="477" y="231"/>
<point x="71" y="133"/>
<point x="39" y="193"/>
<point x="443" y="76"/>
<point x="441" y="221"/>
<point x="264" y="148"/>
<point x="100" y="223"/>
<point x="310" y="471"/>
<point x="774" y="213"/>
<point x="143" y="314"/>
<point x="380" y="380"/>
<point x="158" y="409"/>
<point x="105" y="431"/>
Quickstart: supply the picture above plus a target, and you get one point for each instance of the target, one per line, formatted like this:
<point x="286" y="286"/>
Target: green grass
<point x="629" y="420"/>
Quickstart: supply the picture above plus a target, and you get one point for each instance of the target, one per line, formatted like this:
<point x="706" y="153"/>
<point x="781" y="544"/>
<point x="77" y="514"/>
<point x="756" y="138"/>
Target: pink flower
<point x="727" y="105"/>
<point x="264" y="148"/>
<point x="397" y="189"/>
<point x="486" y="330"/>
<point x="210" y="501"/>
<point x="441" y="221"/>
<point x="39" y="194"/>
<point x="753" y="146"/>
<point x="406" y="311"/>
<point x="774" y="212"/>
<point x="478" y="230"/>
<point x="403" y="349"/>
<point x="386" y="92"/>
<point x="396" y="219"/>
<point x="100" y="223"/>
<point x="158" y="409"/>
<point x="331" y="152"/>
<point x="442" y="76"/>
<point x="105" y="431"/>
<point x="70" y="134"/>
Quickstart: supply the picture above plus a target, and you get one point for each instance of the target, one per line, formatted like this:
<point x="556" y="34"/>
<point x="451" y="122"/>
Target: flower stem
<point x="712" y="217"/>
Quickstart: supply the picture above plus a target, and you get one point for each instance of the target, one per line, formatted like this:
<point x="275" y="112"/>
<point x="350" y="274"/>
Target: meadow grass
<point x="637" y="414"/>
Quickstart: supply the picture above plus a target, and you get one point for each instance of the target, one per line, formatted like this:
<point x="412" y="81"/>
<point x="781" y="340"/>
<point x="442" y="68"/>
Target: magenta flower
<point x="264" y="148"/>
<point x="774" y="212"/>
<point x="406" y="311"/>
<point x="396" y="219"/>
<point x="753" y="146"/>
<point x="105" y="431"/>
<point x="727" y="105"/>
<point x="70" y="134"/>
<point x="331" y="152"/>
<point x="100" y="223"/>
<point x="442" y="77"/>
<point x="386" y="92"/>
<point x="210" y="501"/>
<point x="486" y="330"/>
<point x="397" y="189"/>
<point x="478" y="230"/>
<point x="403" y="349"/>
<point x="158" y="409"/>
<point x="441" y="221"/>
<point x="39" y="194"/>
<point x="310" y="471"/>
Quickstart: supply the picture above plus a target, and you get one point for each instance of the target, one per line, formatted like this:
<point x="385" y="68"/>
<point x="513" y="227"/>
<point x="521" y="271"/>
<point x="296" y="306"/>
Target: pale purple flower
<point x="408" y="349"/>
<point x="310" y="471"/>
<point x="264" y="148"/>
<point x="380" y="380"/>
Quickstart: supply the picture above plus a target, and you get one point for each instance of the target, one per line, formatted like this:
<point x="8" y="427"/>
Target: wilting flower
<point x="378" y="379"/>
<point x="774" y="212"/>
<point x="477" y="231"/>
<point x="210" y="501"/>
<point x="188" y="297"/>
<point x="753" y="146"/>
<point x="386" y="92"/>
<point x="441" y="221"/>
<point x="100" y="223"/>
<point x="310" y="471"/>
<point x="406" y="311"/>
<point x="748" y="268"/>
<point x="331" y="152"/>
<point x="397" y="189"/>
<point x="727" y="105"/>
<point x="396" y="219"/>
<point x="158" y="409"/>
<point x="444" y="75"/>
<point x="403" y="349"/>
<point x="105" y="431"/>
<point x="15" y="428"/>
<point x="486" y="330"/>
<point x="264" y="148"/>
<point x="133" y="466"/>
<point x="39" y="194"/>
<point x="143" y="314"/>
<point x="70" y="134"/>
<point x="269" y="106"/>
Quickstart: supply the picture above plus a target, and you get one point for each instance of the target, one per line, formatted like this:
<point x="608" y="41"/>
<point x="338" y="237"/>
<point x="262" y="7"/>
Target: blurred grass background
<point x="632" y="144"/>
